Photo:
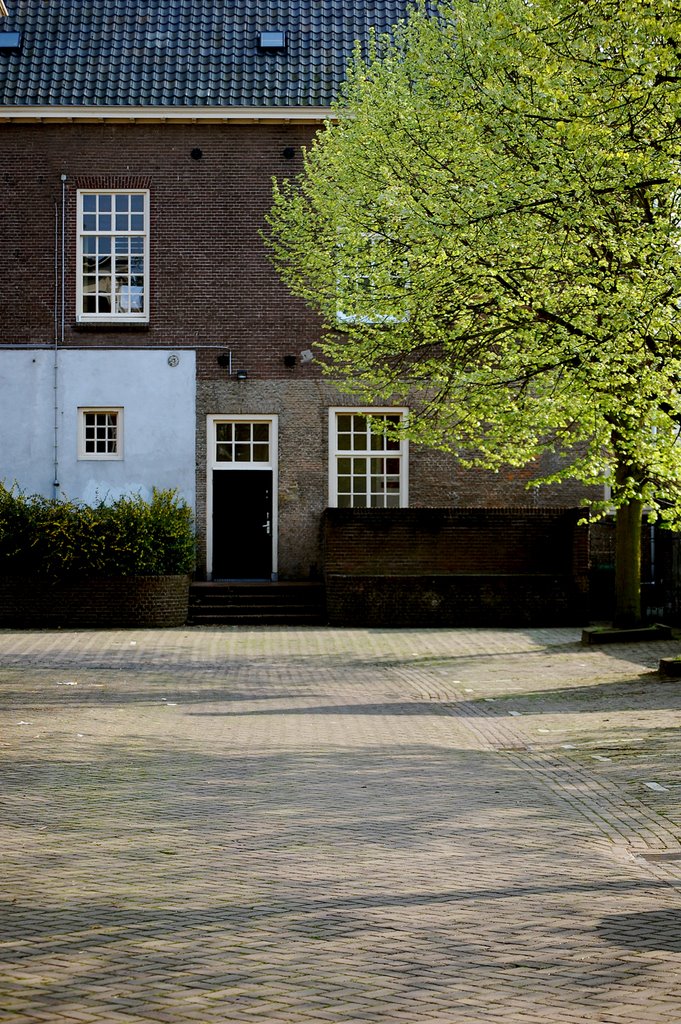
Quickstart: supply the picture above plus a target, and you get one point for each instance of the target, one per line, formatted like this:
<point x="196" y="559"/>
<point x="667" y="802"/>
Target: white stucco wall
<point x="158" y="402"/>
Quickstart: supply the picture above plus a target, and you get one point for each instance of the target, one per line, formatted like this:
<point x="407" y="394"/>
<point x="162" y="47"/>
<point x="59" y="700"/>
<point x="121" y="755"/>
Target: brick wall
<point x="454" y="540"/>
<point x="143" y="602"/>
<point x="456" y="567"/>
<point x="211" y="282"/>
<point x="212" y="289"/>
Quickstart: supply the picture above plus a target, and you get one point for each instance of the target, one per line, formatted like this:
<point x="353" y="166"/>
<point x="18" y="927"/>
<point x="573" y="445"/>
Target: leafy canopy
<point x="491" y="232"/>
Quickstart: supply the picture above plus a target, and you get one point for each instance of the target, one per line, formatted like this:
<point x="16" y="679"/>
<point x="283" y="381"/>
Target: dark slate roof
<point x="196" y="53"/>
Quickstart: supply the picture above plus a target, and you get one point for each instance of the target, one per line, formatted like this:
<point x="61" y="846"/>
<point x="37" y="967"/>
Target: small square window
<point x="100" y="433"/>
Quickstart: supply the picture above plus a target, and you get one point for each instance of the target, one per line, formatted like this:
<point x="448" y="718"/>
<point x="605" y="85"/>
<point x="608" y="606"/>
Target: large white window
<point x="113" y="256"/>
<point x="368" y="467"/>
<point x="100" y="433"/>
<point x="375" y="290"/>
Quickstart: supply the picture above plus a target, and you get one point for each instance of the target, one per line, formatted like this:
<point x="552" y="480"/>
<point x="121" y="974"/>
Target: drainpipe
<point x="59" y="312"/>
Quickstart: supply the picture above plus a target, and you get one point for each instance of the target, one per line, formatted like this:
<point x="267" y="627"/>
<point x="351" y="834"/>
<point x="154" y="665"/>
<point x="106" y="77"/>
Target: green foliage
<point x="496" y="217"/>
<point x="129" y="537"/>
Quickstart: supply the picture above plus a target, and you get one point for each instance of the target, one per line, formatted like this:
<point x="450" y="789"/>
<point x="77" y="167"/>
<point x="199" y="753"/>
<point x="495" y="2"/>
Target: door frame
<point x="225" y="467"/>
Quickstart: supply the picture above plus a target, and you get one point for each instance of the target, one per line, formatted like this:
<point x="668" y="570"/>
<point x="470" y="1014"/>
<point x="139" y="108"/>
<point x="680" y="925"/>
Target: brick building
<point x="145" y="340"/>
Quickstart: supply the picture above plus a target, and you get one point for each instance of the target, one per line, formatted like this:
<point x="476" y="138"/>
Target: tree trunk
<point x="628" y="565"/>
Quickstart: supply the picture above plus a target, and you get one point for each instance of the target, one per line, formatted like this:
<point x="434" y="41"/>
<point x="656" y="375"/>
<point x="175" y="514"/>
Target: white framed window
<point x="375" y="293"/>
<point x="243" y="441"/>
<point x="113" y="256"/>
<point x="100" y="433"/>
<point x="368" y="467"/>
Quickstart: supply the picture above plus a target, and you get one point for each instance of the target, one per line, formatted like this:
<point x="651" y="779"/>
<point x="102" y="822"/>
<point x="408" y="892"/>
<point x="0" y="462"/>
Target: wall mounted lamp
<point x="242" y="375"/>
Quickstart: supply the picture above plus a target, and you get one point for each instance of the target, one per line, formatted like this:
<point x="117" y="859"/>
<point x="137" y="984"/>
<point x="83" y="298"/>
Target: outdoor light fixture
<point x="242" y="374"/>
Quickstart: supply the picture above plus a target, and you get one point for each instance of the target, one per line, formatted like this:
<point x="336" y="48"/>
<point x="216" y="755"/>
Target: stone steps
<point x="257" y="604"/>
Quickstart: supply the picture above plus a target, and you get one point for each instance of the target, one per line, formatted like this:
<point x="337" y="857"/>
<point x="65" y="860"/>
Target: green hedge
<point x="128" y="537"/>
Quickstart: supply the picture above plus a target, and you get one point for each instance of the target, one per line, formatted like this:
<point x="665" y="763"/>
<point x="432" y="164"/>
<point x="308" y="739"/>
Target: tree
<point x="490" y="229"/>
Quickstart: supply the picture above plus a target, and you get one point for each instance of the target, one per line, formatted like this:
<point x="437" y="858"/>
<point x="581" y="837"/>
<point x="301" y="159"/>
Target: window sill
<point x="110" y="325"/>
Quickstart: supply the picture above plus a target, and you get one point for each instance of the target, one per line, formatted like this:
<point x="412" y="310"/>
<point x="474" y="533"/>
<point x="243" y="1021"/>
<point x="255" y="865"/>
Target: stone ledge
<point x="611" y="635"/>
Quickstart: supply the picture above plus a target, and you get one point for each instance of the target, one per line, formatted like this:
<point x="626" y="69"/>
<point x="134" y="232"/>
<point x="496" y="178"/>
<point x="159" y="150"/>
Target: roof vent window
<point x="10" y="40"/>
<point x="271" y="40"/>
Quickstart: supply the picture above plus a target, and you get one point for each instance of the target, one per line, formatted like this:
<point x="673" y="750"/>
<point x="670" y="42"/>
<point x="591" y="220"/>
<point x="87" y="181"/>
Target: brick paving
<point x="338" y="827"/>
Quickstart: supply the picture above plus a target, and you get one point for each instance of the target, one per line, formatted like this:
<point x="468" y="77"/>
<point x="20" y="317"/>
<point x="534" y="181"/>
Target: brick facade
<point x="141" y="601"/>
<point x="211" y="283"/>
<point x="213" y="290"/>
<point x="455" y="567"/>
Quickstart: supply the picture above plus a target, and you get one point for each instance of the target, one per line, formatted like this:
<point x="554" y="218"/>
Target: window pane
<point x="242" y="452"/>
<point x="111" y="214"/>
<point x="261" y="452"/>
<point x="261" y="431"/>
<point x="223" y="431"/>
<point x="373" y="481"/>
<point x="242" y="431"/>
<point x="223" y="452"/>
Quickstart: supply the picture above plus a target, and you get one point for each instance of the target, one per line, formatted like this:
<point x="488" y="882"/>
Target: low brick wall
<point x="470" y="600"/>
<point x="455" y="567"/>
<point x="141" y="601"/>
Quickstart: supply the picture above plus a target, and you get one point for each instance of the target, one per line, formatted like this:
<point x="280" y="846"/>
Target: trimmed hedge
<point x="63" y="539"/>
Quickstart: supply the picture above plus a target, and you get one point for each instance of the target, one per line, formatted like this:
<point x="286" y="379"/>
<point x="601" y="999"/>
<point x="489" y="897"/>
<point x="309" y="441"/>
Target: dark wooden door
<point x="242" y="524"/>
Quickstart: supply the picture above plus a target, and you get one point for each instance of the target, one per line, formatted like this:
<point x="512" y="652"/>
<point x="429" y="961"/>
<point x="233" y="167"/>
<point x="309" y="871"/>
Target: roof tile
<point x="184" y="52"/>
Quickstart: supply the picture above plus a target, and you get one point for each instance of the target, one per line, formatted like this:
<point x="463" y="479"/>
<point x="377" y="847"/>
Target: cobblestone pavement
<point x="338" y="827"/>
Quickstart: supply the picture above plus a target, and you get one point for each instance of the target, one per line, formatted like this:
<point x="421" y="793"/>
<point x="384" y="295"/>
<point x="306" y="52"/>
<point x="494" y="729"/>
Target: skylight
<point x="271" y="40"/>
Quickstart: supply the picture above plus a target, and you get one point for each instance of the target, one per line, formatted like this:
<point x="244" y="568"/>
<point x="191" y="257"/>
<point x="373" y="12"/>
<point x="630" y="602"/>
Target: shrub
<point x="129" y="537"/>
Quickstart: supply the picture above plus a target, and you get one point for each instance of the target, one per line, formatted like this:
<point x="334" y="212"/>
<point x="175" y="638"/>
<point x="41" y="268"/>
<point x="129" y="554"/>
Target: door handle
<point x="267" y="526"/>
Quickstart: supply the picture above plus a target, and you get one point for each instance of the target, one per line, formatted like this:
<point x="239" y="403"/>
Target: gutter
<point x="152" y="115"/>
